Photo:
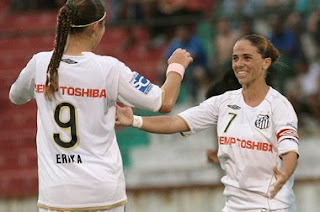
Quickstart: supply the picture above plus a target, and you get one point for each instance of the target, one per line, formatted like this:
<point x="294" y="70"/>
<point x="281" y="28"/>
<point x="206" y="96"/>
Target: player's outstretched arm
<point x="178" y="62"/>
<point x="289" y="164"/>
<point x="154" y="124"/>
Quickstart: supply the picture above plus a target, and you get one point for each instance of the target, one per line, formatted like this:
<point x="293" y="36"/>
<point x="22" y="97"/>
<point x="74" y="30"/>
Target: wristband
<point x="176" y="67"/>
<point x="137" y="121"/>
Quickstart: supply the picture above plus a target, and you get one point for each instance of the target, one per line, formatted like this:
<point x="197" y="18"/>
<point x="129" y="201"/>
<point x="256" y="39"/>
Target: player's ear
<point x="266" y="63"/>
<point x="95" y="26"/>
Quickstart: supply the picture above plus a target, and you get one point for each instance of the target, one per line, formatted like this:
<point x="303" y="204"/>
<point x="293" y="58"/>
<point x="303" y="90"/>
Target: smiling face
<point x="248" y="65"/>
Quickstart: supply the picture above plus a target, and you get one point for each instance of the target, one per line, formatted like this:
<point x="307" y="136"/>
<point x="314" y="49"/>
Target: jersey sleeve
<point x="137" y="91"/>
<point x="201" y="117"/>
<point x="286" y="128"/>
<point x="22" y="90"/>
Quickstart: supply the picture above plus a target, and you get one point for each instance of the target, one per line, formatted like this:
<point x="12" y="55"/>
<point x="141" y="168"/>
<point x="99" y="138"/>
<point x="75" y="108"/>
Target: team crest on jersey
<point x="141" y="83"/>
<point x="262" y="121"/>
<point x="235" y="107"/>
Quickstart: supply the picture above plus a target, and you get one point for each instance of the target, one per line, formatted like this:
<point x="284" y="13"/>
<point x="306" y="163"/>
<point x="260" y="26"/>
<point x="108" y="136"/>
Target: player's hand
<point x="124" y="115"/>
<point x="281" y="179"/>
<point x="212" y="156"/>
<point x="180" y="56"/>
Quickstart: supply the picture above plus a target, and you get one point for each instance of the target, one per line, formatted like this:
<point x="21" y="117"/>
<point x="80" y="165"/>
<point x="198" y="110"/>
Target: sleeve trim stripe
<point x="288" y="137"/>
<point x="188" y="133"/>
<point x="287" y="133"/>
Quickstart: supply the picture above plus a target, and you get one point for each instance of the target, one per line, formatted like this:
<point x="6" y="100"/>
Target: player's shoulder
<point x="277" y="99"/>
<point x="226" y="96"/>
<point x="231" y="94"/>
<point x="103" y="58"/>
<point x="43" y="55"/>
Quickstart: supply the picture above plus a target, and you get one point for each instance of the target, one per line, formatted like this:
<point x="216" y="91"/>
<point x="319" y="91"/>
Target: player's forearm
<point x="164" y="124"/>
<point x="289" y="163"/>
<point x="171" y="89"/>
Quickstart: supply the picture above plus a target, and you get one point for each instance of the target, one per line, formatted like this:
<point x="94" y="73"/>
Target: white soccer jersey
<point x="79" y="161"/>
<point x="251" y="141"/>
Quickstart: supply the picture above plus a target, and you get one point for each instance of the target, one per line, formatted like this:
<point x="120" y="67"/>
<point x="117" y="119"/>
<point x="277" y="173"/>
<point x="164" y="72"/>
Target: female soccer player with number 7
<point x="256" y="128"/>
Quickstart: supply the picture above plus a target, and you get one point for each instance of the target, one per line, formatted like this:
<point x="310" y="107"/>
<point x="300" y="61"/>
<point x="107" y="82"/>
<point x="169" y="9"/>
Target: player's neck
<point x="254" y="95"/>
<point x="76" y="47"/>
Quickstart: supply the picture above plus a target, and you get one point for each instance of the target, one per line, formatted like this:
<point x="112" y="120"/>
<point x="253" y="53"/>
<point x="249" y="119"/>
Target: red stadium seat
<point x="22" y="158"/>
<point x="4" y="6"/>
<point x="11" y="140"/>
<point x="18" y="183"/>
<point x="29" y="22"/>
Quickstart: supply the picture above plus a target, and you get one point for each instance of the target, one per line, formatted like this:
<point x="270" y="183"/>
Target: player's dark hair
<point x="264" y="46"/>
<point x="71" y="18"/>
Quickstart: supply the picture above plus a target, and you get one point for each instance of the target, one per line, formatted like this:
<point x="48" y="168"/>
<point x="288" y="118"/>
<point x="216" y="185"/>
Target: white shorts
<point x="117" y="209"/>
<point x="291" y="209"/>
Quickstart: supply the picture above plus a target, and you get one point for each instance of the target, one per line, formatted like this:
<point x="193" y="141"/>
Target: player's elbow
<point x="167" y="107"/>
<point x="16" y="100"/>
<point x="13" y="101"/>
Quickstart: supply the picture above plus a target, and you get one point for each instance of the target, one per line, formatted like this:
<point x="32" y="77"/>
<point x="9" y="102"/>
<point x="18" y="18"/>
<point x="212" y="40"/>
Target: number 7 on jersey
<point x="233" y="116"/>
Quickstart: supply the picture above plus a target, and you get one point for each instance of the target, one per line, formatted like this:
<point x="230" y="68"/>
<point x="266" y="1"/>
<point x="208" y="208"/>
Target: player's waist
<point x="242" y="199"/>
<point x="77" y="193"/>
<point x="82" y="208"/>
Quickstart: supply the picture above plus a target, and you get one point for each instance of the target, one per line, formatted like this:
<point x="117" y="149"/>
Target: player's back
<point x="76" y="139"/>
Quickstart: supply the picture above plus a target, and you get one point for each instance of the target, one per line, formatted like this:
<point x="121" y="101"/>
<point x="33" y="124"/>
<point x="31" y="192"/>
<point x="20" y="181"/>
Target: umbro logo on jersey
<point x="262" y="121"/>
<point x="69" y="61"/>
<point x="141" y="83"/>
<point x="235" y="107"/>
